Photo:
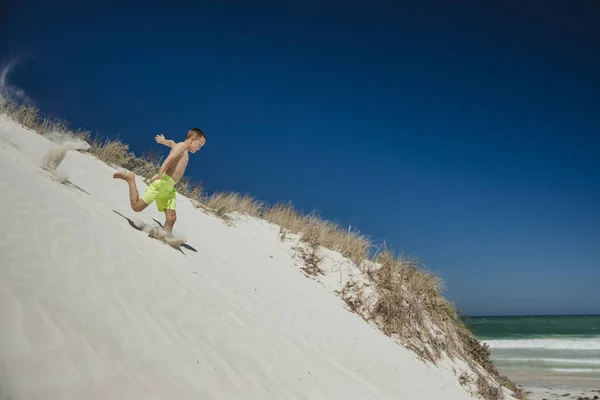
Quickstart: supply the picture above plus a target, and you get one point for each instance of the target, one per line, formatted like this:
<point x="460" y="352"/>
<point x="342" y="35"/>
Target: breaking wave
<point x="554" y="344"/>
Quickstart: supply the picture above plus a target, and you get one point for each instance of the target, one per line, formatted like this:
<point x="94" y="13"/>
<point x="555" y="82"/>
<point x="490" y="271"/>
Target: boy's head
<point x="196" y="139"/>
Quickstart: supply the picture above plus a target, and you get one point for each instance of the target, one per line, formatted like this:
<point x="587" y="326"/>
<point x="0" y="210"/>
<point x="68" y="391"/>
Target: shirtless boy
<point x="162" y="189"/>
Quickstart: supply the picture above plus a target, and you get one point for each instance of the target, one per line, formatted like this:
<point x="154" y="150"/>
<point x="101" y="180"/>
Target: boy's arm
<point x="161" y="140"/>
<point x="177" y="150"/>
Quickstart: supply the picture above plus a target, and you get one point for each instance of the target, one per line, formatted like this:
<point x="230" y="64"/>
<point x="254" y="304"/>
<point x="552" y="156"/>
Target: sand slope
<point x="92" y="308"/>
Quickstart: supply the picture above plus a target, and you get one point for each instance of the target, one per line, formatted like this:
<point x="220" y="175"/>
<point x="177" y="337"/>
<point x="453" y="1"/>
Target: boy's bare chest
<point x="182" y="161"/>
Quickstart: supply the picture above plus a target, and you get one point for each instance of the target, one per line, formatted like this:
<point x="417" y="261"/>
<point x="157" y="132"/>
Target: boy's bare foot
<point x="169" y="239"/>
<point x="173" y="242"/>
<point x="124" y="175"/>
<point x="162" y="234"/>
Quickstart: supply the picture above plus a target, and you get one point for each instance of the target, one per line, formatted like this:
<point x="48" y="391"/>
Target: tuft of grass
<point x="314" y="230"/>
<point x="354" y="246"/>
<point x="402" y="299"/>
<point x="487" y="390"/>
<point x="465" y="379"/>
<point x="353" y="296"/>
<point x="317" y="232"/>
<point x="112" y="152"/>
<point x="223" y="203"/>
<point x="116" y="153"/>
<point x="311" y="260"/>
<point x="286" y="216"/>
<point x="191" y="190"/>
<point x="518" y="392"/>
<point x="283" y="234"/>
<point x="478" y="352"/>
<point x="30" y="117"/>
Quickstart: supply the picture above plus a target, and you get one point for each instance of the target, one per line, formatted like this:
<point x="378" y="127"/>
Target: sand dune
<point x="92" y="308"/>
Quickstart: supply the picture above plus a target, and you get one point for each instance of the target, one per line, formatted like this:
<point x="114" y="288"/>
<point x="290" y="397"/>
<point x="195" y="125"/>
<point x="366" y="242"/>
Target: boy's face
<point x="196" y="144"/>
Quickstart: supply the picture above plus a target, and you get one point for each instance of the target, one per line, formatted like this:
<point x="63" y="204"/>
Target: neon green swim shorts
<point x="163" y="192"/>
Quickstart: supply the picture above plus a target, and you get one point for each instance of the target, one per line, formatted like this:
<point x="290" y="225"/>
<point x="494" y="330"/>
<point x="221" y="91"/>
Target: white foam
<point x="578" y="361"/>
<point x="574" y="370"/>
<point x="555" y="344"/>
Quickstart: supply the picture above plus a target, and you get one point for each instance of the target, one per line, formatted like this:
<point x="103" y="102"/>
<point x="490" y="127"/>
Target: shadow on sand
<point x="71" y="184"/>
<point x="134" y="226"/>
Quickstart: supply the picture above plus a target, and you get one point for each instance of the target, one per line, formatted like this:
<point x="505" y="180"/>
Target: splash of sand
<point x="56" y="155"/>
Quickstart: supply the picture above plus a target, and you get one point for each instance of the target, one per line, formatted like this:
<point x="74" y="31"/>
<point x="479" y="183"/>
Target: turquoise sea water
<point x="550" y="350"/>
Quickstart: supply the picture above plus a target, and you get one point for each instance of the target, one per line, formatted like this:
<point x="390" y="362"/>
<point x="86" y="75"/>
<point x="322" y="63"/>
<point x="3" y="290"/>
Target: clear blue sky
<point x="464" y="133"/>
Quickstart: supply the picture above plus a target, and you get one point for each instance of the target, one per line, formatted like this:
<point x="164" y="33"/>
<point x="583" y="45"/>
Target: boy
<point x="162" y="189"/>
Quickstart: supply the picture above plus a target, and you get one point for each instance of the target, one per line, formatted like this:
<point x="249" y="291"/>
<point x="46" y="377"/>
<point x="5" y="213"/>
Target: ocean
<point x="543" y="350"/>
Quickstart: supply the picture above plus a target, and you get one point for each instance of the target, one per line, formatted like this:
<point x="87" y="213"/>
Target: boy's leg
<point x="168" y="237"/>
<point x="170" y="218"/>
<point x="168" y="203"/>
<point x="134" y="197"/>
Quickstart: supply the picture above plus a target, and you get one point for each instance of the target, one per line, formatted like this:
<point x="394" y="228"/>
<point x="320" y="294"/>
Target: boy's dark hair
<point x="195" y="132"/>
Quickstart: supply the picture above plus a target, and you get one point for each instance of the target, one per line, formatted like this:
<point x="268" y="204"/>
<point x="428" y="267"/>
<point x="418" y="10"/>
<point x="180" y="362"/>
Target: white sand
<point x="91" y="308"/>
<point x="562" y="393"/>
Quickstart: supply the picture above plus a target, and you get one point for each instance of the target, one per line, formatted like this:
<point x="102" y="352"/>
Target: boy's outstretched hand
<point x="160" y="139"/>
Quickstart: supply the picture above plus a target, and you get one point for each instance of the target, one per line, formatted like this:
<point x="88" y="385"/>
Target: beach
<point x="551" y="356"/>
<point x="548" y="393"/>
